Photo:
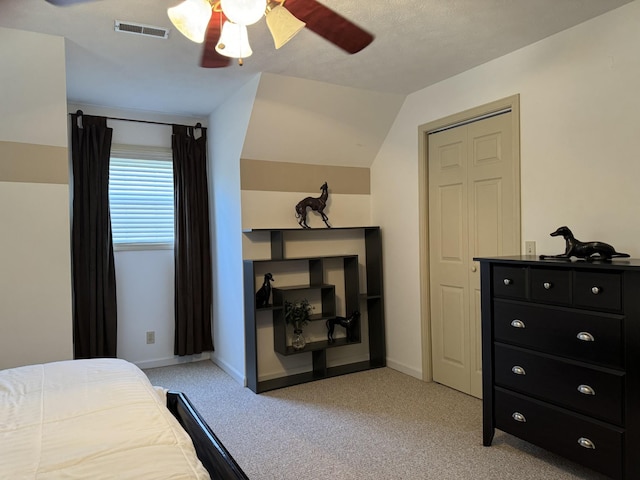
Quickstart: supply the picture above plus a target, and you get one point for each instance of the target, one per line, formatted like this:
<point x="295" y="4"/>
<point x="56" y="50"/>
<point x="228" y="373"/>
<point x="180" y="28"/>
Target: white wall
<point x="578" y="99"/>
<point x="228" y="127"/>
<point x="33" y="92"/>
<point x="35" y="267"/>
<point x="304" y="121"/>
<point x="144" y="278"/>
<point x="579" y="142"/>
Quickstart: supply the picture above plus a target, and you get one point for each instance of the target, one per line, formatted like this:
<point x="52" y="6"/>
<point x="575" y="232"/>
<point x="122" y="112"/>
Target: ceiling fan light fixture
<point x="234" y="41"/>
<point x="191" y="18"/>
<point x="243" y="12"/>
<point x="283" y="25"/>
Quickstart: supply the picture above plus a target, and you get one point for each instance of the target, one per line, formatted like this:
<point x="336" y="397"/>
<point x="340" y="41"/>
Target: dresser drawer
<point x="590" y="390"/>
<point x="509" y="281"/>
<point x="597" y="290"/>
<point x="556" y="330"/>
<point x="561" y="431"/>
<point x="551" y="285"/>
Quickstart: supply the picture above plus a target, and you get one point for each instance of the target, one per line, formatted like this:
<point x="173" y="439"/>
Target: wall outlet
<point x="151" y="337"/>
<point x="530" y="248"/>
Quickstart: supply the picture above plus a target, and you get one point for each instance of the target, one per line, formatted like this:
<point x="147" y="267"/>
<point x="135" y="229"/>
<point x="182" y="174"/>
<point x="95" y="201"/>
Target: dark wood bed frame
<point x="210" y="450"/>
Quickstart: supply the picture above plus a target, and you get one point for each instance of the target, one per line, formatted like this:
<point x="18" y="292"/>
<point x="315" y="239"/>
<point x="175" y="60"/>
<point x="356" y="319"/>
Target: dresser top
<point x="616" y="263"/>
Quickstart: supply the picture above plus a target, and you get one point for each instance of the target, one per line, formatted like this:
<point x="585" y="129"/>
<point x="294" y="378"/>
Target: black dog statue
<point x="585" y="250"/>
<point x="316" y="204"/>
<point x="262" y="295"/>
<point x="348" y="323"/>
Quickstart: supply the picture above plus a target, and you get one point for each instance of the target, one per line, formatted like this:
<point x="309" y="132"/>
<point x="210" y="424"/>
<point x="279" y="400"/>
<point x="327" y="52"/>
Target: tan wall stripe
<point x="302" y="177"/>
<point x="30" y="163"/>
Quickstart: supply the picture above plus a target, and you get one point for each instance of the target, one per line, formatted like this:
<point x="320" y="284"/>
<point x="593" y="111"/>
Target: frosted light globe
<point x="243" y="12"/>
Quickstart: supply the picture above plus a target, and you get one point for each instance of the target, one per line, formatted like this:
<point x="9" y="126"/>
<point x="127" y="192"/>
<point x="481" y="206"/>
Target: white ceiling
<point x="418" y="43"/>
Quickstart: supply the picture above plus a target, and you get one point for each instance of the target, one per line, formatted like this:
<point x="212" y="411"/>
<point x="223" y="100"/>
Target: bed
<point x="102" y="418"/>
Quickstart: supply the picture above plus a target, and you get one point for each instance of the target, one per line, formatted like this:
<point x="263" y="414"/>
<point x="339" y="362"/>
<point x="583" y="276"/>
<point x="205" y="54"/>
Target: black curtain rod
<point x="81" y="113"/>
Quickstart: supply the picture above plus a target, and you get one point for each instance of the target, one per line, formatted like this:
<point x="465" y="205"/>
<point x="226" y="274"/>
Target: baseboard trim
<point x="175" y="360"/>
<point x="402" y="368"/>
<point x="229" y="370"/>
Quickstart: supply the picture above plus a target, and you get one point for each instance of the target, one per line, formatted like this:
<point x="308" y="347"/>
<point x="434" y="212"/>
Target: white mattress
<point x="89" y="419"/>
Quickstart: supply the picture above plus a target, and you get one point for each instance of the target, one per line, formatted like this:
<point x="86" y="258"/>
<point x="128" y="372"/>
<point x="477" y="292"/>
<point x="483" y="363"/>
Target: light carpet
<point x="378" y="424"/>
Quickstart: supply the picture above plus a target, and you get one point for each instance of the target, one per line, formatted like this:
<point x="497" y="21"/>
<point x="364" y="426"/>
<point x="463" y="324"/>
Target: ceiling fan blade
<point x="64" y="3"/>
<point x="211" y="58"/>
<point x="330" y="25"/>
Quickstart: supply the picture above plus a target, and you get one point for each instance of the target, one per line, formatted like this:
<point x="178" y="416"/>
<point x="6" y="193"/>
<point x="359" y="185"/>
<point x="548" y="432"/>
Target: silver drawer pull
<point x="586" y="390"/>
<point x="517" y="323"/>
<point x="507" y="281"/>
<point x="518" y="417"/>
<point x="585" y="337"/>
<point x="547" y="285"/>
<point x="586" y="443"/>
<point x="518" y="370"/>
<point x="596" y="290"/>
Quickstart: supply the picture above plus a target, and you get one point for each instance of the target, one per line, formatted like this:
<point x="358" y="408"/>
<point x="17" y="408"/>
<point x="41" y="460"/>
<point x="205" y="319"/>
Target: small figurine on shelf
<point x="586" y="250"/>
<point x="262" y="295"/>
<point x="315" y="203"/>
<point x="348" y="323"/>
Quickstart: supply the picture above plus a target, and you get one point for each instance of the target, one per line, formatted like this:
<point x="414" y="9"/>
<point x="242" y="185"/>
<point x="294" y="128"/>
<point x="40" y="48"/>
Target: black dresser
<point x="561" y="358"/>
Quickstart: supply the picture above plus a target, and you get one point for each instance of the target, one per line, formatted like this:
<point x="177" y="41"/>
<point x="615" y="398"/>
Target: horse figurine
<point x="347" y="323"/>
<point x="316" y="204"/>
<point x="262" y="295"/>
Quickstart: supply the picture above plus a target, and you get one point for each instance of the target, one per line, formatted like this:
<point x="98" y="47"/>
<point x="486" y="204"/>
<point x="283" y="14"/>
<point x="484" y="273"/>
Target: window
<point x="141" y="197"/>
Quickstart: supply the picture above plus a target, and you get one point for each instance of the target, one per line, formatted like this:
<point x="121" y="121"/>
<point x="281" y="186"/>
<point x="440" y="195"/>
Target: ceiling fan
<point x="224" y="32"/>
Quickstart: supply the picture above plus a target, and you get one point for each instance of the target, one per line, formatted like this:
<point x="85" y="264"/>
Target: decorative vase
<point x="297" y="341"/>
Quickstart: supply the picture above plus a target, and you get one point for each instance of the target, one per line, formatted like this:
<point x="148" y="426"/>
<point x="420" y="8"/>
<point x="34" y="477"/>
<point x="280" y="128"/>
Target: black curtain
<point x="193" y="281"/>
<point x="93" y="271"/>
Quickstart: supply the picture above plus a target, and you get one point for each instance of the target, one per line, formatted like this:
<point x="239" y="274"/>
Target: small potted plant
<point x="298" y="314"/>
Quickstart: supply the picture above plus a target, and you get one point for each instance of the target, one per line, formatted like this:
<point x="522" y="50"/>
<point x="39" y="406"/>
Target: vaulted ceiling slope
<point x="305" y="121"/>
<point x="417" y="43"/>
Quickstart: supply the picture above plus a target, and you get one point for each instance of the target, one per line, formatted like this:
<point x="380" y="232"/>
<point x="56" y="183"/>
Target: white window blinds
<point x="141" y="195"/>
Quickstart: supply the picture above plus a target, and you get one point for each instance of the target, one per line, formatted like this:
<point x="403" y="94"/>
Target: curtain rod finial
<point x="80" y="112"/>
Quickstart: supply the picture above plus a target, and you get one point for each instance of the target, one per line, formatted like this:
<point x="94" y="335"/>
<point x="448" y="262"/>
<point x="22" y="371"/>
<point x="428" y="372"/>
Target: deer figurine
<point x="316" y="204"/>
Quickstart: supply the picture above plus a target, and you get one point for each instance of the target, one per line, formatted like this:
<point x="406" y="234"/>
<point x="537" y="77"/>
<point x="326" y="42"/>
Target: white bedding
<point x="89" y="419"/>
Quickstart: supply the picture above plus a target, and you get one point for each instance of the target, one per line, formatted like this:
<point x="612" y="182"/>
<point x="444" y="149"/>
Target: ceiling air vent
<point x="140" y="29"/>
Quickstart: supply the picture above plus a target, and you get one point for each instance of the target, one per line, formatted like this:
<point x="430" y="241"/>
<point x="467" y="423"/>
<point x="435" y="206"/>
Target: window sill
<point x="121" y="247"/>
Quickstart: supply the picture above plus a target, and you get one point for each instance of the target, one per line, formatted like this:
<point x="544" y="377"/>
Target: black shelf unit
<point x="373" y="299"/>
